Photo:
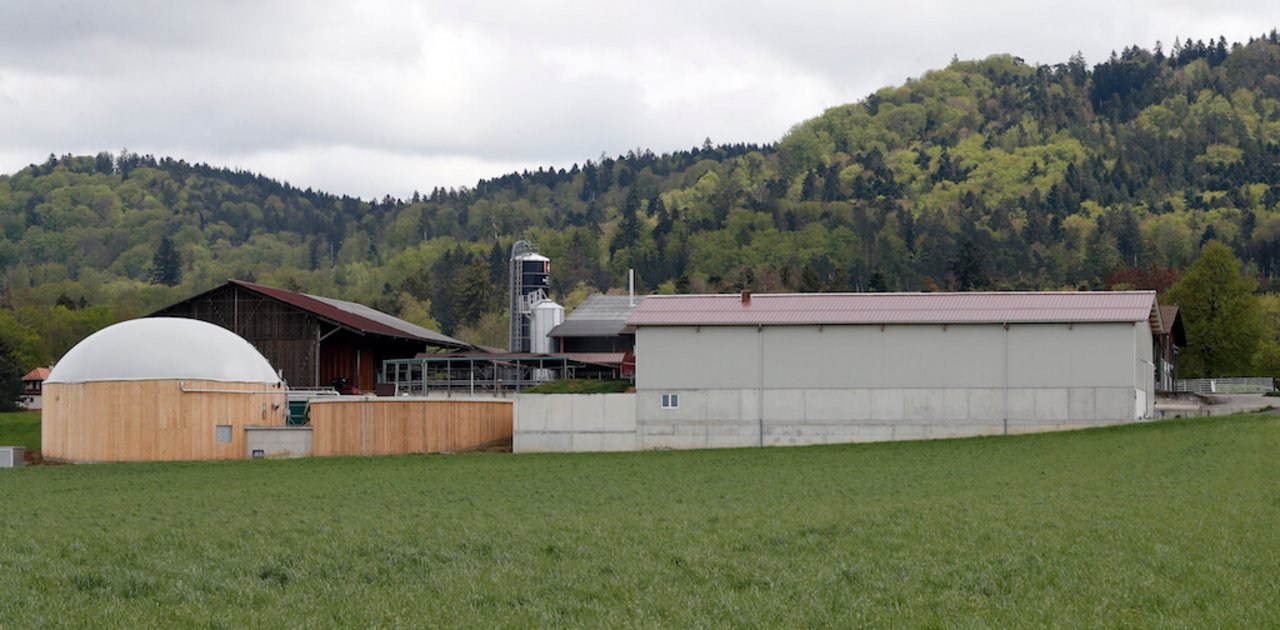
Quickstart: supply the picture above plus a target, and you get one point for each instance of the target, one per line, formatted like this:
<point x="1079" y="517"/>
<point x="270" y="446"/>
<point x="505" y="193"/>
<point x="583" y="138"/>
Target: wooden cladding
<point x="123" y="421"/>
<point x="308" y="350"/>
<point x="398" y="427"/>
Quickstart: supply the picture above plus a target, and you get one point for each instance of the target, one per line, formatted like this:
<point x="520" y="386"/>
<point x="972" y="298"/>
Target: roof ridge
<point x="899" y="294"/>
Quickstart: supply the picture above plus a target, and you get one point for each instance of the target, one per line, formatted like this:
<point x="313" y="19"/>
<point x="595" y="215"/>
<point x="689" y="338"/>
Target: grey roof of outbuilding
<point x="599" y="316"/>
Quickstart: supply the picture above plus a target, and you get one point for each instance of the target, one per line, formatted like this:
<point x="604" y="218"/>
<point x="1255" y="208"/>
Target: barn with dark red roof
<point x="312" y="340"/>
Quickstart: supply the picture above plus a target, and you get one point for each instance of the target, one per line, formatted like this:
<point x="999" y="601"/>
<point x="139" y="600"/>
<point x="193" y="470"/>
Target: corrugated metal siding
<point x="894" y="308"/>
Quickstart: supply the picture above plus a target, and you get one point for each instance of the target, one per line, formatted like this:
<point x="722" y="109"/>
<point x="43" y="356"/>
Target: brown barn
<point x="312" y="340"/>
<point x="1167" y="346"/>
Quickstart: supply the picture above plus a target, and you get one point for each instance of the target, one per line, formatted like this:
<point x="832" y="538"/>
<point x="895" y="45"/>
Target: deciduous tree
<point x="1222" y="316"/>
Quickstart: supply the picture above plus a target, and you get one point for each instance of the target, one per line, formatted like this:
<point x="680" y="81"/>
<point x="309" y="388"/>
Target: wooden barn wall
<point x="122" y="421"/>
<point x="343" y="351"/>
<point x="285" y="335"/>
<point x="398" y="427"/>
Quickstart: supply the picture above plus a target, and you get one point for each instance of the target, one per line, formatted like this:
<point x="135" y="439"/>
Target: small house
<point x="33" y="388"/>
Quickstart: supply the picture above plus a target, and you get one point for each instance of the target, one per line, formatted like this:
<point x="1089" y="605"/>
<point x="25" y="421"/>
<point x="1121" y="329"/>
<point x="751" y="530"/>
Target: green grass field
<point x="20" y="429"/>
<point x="1174" y="524"/>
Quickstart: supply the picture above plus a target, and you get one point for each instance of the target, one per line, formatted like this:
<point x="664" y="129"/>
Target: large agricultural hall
<point x="758" y="370"/>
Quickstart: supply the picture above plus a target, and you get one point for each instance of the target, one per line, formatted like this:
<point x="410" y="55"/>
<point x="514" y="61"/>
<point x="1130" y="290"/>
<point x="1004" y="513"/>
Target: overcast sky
<point x="374" y="98"/>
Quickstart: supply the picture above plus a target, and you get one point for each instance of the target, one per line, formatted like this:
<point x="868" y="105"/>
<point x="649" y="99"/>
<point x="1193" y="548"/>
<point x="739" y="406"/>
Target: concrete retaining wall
<point x="278" y="442"/>
<point x="721" y="418"/>
<point x="574" y="423"/>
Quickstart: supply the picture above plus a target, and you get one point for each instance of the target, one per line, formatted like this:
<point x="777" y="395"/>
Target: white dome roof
<point x="163" y="348"/>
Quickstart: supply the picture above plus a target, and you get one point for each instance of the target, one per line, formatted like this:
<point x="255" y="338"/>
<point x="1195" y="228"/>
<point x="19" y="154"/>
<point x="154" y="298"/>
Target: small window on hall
<point x="223" y="434"/>
<point x="671" y="401"/>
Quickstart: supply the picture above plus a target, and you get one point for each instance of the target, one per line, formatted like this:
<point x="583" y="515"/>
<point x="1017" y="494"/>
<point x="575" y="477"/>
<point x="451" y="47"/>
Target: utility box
<point x="12" y="456"/>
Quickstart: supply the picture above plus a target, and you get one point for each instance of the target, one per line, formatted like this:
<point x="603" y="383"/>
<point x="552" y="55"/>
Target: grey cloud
<point x="435" y="81"/>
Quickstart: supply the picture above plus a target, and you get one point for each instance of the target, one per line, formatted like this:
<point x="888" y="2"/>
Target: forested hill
<point x="985" y="174"/>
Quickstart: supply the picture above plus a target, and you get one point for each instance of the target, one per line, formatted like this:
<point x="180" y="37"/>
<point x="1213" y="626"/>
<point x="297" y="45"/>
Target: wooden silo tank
<point x="158" y="389"/>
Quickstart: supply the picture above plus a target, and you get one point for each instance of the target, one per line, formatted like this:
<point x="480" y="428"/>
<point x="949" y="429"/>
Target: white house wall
<point x="743" y="386"/>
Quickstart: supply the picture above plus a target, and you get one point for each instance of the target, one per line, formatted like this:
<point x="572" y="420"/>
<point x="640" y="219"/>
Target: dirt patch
<point x="34" y="458"/>
<point x="493" y="446"/>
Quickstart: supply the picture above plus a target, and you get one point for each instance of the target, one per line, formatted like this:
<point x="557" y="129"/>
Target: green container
<point x="297" y="412"/>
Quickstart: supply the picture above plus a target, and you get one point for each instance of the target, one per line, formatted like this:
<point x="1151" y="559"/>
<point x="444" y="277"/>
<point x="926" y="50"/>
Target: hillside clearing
<point x="1168" y="524"/>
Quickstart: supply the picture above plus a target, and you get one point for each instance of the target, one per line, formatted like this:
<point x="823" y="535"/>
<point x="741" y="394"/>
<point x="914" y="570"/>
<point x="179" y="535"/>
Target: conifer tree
<point x="10" y="379"/>
<point x="166" y="265"/>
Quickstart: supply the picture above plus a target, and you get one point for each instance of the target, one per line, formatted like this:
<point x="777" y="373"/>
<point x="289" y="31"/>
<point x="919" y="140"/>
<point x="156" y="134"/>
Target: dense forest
<point x="986" y="174"/>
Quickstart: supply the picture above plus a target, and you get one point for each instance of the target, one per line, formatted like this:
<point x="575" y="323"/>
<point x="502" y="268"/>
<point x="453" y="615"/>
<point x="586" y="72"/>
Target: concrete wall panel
<point x="723" y="404"/>
<point x="750" y="399"/>
<point x="574" y="422"/>
<point x="784" y="405"/>
<point x="587" y="414"/>
<point x="1080" y="404"/>
<point x="837" y="405"/>
<point x="278" y="442"/>
<point x="986" y="404"/>
<point x="887" y="405"/>
<point x="619" y="442"/>
<point x="530" y="414"/>
<point x="926" y="404"/>
<point x="620" y="413"/>
<point x="1021" y="404"/>
<point x="1051" y="404"/>
<point x="559" y="412"/>
<point x="588" y="442"/>
<point x="1115" y="403"/>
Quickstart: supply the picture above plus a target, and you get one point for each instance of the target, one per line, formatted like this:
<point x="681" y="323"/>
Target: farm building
<point x="33" y="388"/>
<point x="158" y="389"/>
<point x="1168" y="344"/>
<point x="729" y="370"/>
<point x="742" y="370"/>
<point x="312" y="340"/>
<point x="598" y="325"/>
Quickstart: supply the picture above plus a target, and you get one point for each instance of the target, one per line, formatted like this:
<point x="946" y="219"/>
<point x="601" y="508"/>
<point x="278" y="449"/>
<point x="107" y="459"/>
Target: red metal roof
<point x="896" y="308"/>
<point x="38" y="374"/>
<point x="356" y="316"/>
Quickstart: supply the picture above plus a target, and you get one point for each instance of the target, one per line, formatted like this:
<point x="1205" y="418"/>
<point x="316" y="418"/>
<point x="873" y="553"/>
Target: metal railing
<point x="1236" y="385"/>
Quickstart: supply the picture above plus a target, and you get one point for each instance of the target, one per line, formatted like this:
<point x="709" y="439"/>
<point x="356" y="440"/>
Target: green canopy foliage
<point x="11" y="374"/>
<point x="1223" y="318"/>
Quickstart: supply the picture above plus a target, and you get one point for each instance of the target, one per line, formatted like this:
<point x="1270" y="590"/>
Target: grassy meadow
<point x="20" y="429"/>
<point x="1171" y="524"/>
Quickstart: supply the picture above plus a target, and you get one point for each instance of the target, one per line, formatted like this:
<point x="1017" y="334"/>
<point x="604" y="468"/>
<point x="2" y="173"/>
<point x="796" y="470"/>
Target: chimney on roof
<point x="746" y="296"/>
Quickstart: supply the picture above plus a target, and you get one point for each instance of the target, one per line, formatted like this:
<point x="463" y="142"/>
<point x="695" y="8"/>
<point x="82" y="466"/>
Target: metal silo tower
<point x="530" y="275"/>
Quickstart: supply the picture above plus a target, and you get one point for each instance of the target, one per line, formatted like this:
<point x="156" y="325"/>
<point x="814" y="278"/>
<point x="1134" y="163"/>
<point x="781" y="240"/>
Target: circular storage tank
<point x="158" y="389"/>
<point x="546" y="315"/>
